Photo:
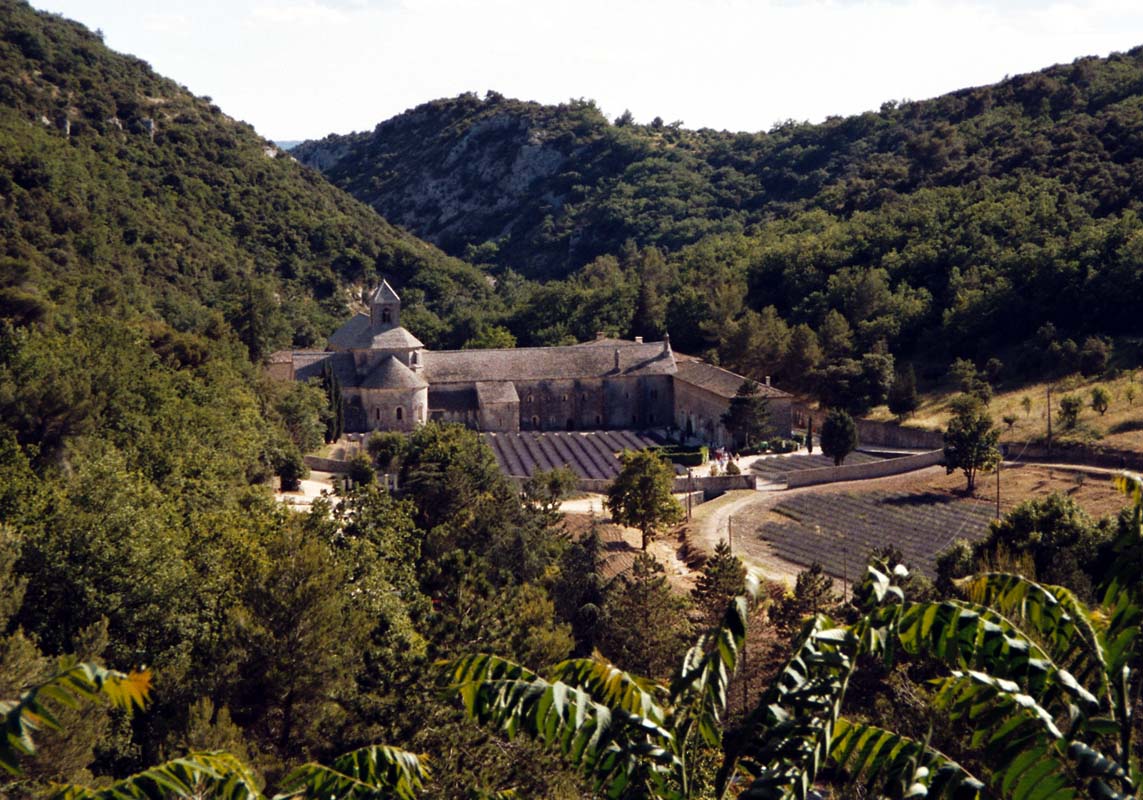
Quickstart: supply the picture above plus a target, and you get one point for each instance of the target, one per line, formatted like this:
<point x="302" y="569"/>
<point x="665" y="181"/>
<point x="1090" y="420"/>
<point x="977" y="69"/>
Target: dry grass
<point x="1121" y="427"/>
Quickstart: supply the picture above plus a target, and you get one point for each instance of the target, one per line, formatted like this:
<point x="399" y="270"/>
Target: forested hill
<point x="945" y="227"/>
<point x="555" y="186"/>
<point x="121" y="190"/>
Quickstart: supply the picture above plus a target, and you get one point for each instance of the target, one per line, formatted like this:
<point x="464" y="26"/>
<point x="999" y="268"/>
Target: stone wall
<point x="871" y="469"/>
<point x="889" y="434"/>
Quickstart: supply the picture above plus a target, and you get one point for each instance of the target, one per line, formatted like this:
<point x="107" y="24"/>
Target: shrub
<point x="1070" y="405"/>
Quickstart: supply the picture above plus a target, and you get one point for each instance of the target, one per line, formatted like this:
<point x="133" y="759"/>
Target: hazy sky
<point x="299" y="69"/>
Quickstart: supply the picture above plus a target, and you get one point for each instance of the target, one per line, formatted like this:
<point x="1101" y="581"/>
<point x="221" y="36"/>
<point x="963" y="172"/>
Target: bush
<point x="1094" y="356"/>
<point x="361" y="469"/>
<point x="1070" y="405"/>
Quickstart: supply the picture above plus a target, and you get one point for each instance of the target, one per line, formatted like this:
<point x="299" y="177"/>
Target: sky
<point x="300" y="69"/>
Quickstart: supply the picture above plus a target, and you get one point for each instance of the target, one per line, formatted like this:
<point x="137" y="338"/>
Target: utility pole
<point x="730" y="534"/>
<point x="1049" y="420"/>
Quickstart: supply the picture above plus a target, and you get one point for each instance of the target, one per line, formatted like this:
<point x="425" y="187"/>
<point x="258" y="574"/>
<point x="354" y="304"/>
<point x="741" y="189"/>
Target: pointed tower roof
<point x="384" y="294"/>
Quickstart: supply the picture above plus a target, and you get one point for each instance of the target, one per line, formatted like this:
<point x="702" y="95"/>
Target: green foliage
<point x="644" y="625"/>
<point x="723" y="577"/>
<point x="1100" y="400"/>
<point x="1070" y="406"/>
<point x="1064" y="544"/>
<point x="633" y="736"/>
<point x="546" y="489"/>
<point x="1094" y="355"/>
<point x="903" y="400"/>
<point x="748" y="417"/>
<point x="970" y="440"/>
<point x="640" y="496"/>
<point x="71" y="682"/>
<point x="839" y="435"/>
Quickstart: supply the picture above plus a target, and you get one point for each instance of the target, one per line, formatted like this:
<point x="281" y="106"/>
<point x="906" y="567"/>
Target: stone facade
<point x="390" y="381"/>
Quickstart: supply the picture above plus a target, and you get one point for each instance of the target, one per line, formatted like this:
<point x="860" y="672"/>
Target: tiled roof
<point x="547" y="363"/>
<point x="384" y="294"/>
<point x="310" y="363"/>
<point x="358" y="335"/>
<point x="392" y="374"/>
<point x="496" y="392"/>
<point x="714" y="379"/>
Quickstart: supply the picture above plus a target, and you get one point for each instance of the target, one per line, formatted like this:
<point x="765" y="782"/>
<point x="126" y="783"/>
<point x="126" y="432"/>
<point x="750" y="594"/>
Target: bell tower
<point x="384" y="308"/>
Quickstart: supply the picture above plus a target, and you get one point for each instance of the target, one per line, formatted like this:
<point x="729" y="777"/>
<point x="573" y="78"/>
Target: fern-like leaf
<point x="72" y="682"/>
<point x="369" y="772"/>
<point x="220" y="776"/>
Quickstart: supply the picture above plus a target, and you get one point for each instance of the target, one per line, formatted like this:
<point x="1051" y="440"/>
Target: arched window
<point x="400" y="413"/>
<point x="528" y="399"/>
<point x="564" y="399"/>
<point x="535" y="420"/>
<point x="413" y="357"/>
<point x="386" y="315"/>
<point x="378" y="414"/>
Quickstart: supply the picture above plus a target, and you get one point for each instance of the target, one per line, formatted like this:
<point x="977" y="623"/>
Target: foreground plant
<point x="369" y="772"/>
<point x="1042" y="682"/>
<point x="633" y="736"/>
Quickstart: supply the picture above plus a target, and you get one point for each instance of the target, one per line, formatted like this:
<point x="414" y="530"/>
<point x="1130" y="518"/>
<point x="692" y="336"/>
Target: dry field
<point x="1120" y="427"/>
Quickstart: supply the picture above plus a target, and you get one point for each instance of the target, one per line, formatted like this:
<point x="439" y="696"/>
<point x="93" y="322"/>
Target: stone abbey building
<point x="390" y="381"/>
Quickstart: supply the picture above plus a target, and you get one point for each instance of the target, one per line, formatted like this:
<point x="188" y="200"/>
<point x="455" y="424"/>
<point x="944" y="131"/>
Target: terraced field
<point x="840" y="530"/>
<point x="591" y="454"/>
<point x="775" y="468"/>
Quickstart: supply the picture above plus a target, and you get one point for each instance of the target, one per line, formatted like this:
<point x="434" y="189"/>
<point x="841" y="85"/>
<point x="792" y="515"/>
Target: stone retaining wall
<point x="326" y="464"/>
<point x="871" y="469"/>
<point x="709" y="486"/>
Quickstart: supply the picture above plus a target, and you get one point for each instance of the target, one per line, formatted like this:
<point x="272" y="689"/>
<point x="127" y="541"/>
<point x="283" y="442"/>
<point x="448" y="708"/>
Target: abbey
<point x="390" y="381"/>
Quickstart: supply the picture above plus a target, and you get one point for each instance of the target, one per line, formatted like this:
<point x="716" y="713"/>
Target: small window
<point x="400" y="413"/>
<point x="420" y="413"/>
<point x="564" y="398"/>
<point x="413" y="357"/>
<point x="386" y="315"/>
<point x="571" y="424"/>
<point x="378" y="415"/>
<point x="583" y="397"/>
<point x="535" y="421"/>
<point x="528" y="399"/>
<point x="598" y="419"/>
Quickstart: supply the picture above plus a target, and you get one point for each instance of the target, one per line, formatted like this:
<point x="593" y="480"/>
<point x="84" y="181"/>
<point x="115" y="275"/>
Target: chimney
<point x="666" y="343"/>
<point x="767" y="380"/>
<point x="616" y="359"/>
<point x="638" y="340"/>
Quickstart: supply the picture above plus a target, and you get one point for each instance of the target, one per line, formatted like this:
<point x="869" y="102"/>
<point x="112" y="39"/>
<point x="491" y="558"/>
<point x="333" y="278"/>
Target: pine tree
<point x="722" y="577"/>
<point x="903" y="399"/>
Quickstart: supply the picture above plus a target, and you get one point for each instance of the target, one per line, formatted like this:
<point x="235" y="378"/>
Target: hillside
<point x="953" y="226"/>
<point x="119" y="184"/>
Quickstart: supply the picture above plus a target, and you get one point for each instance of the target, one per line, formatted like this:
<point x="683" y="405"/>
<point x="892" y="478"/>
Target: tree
<point x="1100" y="400"/>
<point x="723" y="577"/>
<point x="640" y="496"/>
<point x="839" y="435"/>
<point x="1009" y="420"/>
<point x="1094" y="355"/>
<point x="748" y="417"/>
<point x="903" y="399"/>
<point x="546" y="489"/>
<point x="635" y="737"/>
<point x="1070" y="405"/>
<point x="970" y="440"/>
<point x="645" y="627"/>
<point x="371" y="771"/>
